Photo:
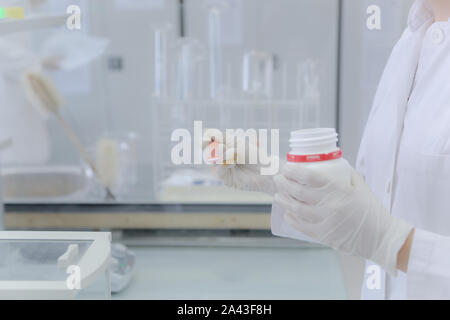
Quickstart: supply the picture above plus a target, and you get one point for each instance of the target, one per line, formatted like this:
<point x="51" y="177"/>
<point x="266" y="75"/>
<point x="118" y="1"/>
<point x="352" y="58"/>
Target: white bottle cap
<point x="317" y="141"/>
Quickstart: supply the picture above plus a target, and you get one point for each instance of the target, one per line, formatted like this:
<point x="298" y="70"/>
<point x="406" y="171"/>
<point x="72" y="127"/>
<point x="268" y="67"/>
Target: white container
<point x="315" y="149"/>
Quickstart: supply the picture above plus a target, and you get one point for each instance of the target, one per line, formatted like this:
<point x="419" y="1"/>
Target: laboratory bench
<point x="203" y="251"/>
<point x="234" y="273"/>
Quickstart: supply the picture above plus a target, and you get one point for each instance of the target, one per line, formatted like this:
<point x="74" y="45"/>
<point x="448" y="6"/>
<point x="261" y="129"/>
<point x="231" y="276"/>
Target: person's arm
<point x="428" y="266"/>
<point x="346" y="217"/>
<point x="441" y="9"/>
<point x="352" y="220"/>
<point x="404" y="252"/>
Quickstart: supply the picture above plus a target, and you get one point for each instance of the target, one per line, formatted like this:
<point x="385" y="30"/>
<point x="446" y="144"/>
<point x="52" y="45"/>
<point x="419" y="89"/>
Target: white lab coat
<point x="405" y="155"/>
<point x="405" y="158"/>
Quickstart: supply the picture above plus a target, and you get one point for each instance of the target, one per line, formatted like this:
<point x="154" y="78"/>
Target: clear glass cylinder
<point x="162" y="37"/>
<point x="308" y="92"/>
<point x="190" y="54"/>
<point x="257" y="76"/>
<point x="215" y="10"/>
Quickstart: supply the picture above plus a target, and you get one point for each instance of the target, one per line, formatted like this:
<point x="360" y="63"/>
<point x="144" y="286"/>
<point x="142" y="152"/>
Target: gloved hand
<point x="245" y="176"/>
<point x="346" y="217"/>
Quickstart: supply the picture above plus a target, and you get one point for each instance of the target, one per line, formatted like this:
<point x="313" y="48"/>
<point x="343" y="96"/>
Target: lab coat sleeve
<point x="428" y="274"/>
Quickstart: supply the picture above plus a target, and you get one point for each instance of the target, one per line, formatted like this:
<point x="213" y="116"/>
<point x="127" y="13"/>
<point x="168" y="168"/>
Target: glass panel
<point x="39" y="260"/>
<point x="136" y="71"/>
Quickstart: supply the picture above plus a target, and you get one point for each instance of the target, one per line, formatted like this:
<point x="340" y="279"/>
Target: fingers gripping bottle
<point x="314" y="149"/>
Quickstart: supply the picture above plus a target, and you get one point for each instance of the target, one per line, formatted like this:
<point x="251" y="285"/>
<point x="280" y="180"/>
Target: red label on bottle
<point x="315" y="157"/>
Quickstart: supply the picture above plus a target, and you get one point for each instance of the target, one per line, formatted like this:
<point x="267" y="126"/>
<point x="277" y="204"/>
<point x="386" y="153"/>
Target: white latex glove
<point x="246" y="176"/>
<point x="348" y="218"/>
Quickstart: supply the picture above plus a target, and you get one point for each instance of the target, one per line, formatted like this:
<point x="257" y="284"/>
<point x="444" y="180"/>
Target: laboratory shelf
<point x="137" y="216"/>
<point x="32" y="23"/>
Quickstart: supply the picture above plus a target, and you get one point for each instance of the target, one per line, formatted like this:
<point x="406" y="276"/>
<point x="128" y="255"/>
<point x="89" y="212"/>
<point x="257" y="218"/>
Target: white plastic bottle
<point x="315" y="149"/>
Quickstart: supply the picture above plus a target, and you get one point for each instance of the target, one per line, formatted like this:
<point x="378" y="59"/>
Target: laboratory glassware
<point x="163" y="35"/>
<point x="215" y="10"/>
<point x="188" y="183"/>
<point x="308" y="92"/>
<point x="123" y="263"/>
<point x="115" y="155"/>
<point x="190" y="54"/>
<point x="257" y="74"/>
